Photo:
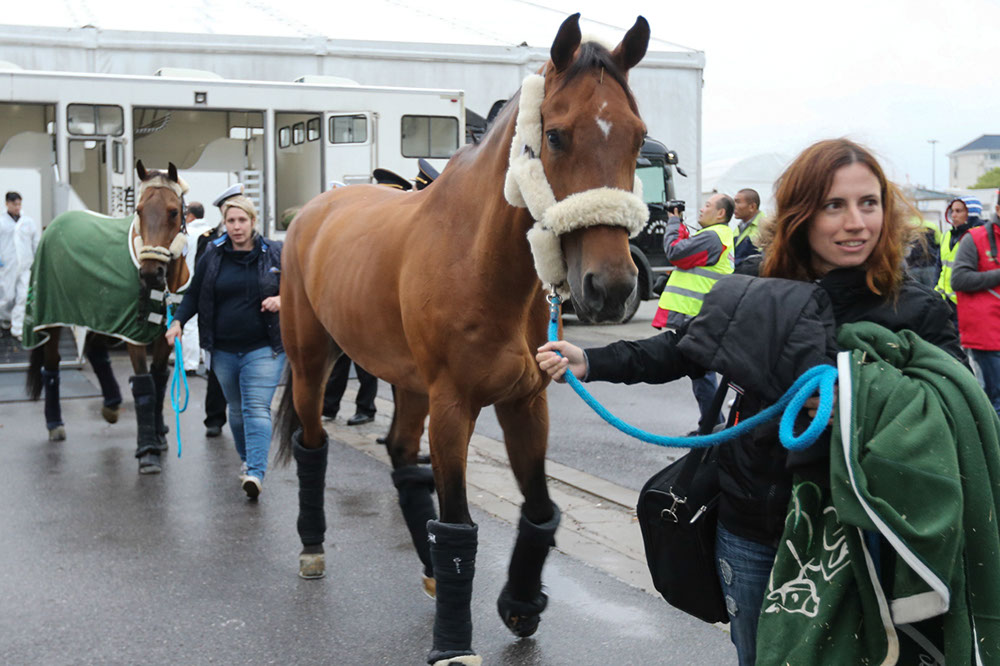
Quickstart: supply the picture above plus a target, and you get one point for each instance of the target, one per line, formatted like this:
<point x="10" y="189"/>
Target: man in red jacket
<point x="976" y="281"/>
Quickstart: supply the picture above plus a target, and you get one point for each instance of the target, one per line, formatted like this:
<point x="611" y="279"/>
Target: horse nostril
<point x="594" y="292"/>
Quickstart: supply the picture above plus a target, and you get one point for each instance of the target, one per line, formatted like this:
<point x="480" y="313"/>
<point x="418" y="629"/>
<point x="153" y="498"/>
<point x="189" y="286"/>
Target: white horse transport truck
<point x="70" y="140"/>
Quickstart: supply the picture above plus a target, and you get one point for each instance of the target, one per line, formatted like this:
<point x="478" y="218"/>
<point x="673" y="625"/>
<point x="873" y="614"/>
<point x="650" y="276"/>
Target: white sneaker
<point x="252" y="486"/>
<point x="243" y="470"/>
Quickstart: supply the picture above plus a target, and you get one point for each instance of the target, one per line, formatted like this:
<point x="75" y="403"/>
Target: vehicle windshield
<point x="654" y="187"/>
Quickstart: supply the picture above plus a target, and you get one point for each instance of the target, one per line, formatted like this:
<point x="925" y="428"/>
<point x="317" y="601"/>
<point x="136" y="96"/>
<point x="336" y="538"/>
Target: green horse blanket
<point x="897" y="562"/>
<point x="84" y="275"/>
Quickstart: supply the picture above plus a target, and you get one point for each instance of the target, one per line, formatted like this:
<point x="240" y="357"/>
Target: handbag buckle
<point x="672" y="511"/>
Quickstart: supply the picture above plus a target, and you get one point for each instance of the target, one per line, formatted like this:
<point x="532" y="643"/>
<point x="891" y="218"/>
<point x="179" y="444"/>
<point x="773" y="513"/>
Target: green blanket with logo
<point x="899" y="561"/>
<point x="83" y="275"/>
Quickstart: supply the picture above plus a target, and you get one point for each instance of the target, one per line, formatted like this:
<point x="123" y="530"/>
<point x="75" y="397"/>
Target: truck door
<point x="349" y="147"/>
<point x="120" y="197"/>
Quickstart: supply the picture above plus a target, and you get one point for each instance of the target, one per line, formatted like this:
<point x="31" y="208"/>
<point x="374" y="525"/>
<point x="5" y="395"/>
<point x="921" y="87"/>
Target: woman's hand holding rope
<point x="555" y="358"/>
<point x="173" y="332"/>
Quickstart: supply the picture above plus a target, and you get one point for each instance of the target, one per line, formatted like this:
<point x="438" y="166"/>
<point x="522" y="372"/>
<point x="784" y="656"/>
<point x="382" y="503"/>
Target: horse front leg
<point x="414" y="483"/>
<point x="454" y="539"/>
<point x="161" y="375"/>
<point x="144" y="394"/>
<point x="50" y="384"/>
<point x="526" y="427"/>
<point x="96" y="350"/>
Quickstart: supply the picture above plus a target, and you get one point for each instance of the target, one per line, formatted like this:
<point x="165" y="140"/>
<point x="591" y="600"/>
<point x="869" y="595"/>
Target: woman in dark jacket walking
<point x="839" y="225"/>
<point x="235" y="293"/>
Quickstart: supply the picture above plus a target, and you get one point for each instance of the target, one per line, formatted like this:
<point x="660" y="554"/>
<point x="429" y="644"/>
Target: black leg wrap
<point x="522" y="600"/>
<point x="415" y="485"/>
<point x="101" y="363"/>
<point x="160" y="378"/>
<point x="53" y="410"/>
<point x="453" y="552"/>
<point x="147" y="441"/>
<point x="310" y="466"/>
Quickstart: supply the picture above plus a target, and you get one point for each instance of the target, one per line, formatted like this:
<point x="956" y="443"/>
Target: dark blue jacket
<point x="200" y="297"/>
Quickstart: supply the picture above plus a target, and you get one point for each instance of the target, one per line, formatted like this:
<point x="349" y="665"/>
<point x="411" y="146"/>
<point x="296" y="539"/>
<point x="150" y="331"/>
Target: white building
<point x="444" y="45"/>
<point x="972" y="160"/>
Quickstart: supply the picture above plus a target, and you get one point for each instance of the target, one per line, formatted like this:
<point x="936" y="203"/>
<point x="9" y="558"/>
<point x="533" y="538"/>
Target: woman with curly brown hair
<point x="840" y="225"/>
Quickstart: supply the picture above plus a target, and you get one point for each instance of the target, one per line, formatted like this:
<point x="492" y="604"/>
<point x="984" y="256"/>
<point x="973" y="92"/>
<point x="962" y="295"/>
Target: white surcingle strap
<point x="526" y="186"/>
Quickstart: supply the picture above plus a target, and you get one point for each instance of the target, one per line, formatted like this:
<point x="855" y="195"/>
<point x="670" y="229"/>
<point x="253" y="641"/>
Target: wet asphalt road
<point x="102" y="566"/>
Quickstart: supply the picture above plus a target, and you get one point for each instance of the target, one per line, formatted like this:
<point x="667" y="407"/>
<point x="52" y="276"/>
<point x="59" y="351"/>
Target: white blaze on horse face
<point x="601" y="122"/>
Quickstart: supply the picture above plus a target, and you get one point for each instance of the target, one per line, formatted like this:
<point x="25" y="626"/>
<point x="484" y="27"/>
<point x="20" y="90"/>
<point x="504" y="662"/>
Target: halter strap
<point x="526" y="186"/>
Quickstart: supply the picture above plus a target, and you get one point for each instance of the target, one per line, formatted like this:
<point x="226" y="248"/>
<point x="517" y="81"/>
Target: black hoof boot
<point x="147" y="441"/>
<point x="453" y="553"/>
<point x="160" y="378"/>
<point x="521" y="617"/>
<point x="53" y="409"/>
<point x="415" y="486"/>
<point x="310" y="466"/>
<point x="522" y="600"/>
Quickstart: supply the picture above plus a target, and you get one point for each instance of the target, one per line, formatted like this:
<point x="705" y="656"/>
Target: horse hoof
<point x="110" y="414"/>
<point x="312" y="565"/>
<point x="150" y="464"/>
<point x="521" y="617"/>
<point x="430" y="587"/>
<point x="464" y="660"/>
<point x="57" y="434"/>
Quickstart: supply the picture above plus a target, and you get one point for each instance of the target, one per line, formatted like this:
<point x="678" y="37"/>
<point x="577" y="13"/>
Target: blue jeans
<point x="248" y="381"/>
<point x="744" y="567"/>
<point x="704" y="389"/>
<point x="989" y="366"/>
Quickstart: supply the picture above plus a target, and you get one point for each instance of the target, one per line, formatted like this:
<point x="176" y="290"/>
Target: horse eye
<point x="554" y="140"/>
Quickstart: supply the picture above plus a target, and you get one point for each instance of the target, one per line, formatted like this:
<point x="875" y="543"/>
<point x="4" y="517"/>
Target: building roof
<point x="985" y="142"/>
<point x="507" y="23"/>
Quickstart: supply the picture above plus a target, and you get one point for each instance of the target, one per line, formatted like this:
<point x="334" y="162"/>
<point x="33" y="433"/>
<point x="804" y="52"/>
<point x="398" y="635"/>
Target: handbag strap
<point x="694" y="458"/>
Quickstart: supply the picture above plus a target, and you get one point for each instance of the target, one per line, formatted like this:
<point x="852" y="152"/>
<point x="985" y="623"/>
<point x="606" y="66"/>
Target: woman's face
<point x="958" y="213"/>
<point x="843" y="233"/>
<point x="239" y="226"/>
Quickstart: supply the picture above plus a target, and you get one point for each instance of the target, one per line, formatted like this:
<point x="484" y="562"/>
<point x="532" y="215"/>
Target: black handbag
<point x="678" y="512"/>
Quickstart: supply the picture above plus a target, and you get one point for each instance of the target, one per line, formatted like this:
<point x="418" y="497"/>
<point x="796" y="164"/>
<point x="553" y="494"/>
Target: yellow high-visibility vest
<point x="948" y="254"/>
<point x="686" y="288"/>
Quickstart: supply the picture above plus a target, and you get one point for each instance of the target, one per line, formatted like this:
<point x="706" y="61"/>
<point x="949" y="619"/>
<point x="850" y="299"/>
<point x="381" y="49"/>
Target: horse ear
<point x="140" y="169"/>
<point x="172" y="171"/>
<point x="633" y="46"/>
<point x="566" y="42"/>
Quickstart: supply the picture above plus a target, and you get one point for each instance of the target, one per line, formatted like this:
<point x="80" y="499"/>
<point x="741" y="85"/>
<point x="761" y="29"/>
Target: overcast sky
<point x="892" y="74"/>
<point x="779" y="74"/>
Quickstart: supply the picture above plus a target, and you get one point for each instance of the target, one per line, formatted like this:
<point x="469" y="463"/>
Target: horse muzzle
<point x="603" y="296"/>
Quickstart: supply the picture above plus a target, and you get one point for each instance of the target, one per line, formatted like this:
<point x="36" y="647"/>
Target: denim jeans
<point x="989" y="367"/>
<point x="248" y="381"/>
<point x="704" y="389"/>
<point x="744" y="567"/>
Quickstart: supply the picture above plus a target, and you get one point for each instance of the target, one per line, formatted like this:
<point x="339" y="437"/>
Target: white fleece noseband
<point x="527" y="187"/>
<point x="178" y="246"/>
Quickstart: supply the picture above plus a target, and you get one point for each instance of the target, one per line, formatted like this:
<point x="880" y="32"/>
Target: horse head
<point x="572" y="164"/>
<point x="160" y="213"/>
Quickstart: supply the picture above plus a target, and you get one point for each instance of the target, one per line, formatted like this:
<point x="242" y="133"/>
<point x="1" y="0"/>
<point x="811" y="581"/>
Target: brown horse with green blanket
<point x="112" y="277"/>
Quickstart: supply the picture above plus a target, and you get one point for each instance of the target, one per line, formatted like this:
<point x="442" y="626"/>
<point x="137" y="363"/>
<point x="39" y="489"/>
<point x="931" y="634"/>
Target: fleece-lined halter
<point x="140" y="252"/>
<point x="527" y="187"/>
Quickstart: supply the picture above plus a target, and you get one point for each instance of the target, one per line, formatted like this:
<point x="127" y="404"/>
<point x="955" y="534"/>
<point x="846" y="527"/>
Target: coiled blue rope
<point x="179" y="379"/>
<point x="821" y="378"/>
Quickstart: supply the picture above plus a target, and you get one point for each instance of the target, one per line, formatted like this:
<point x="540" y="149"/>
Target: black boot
<point x="453" y="553"/>
<point x="160" y="378"/>
<point x="53" y="410"/>
<point x="415" y="486"/>
<point x="97" y="354"/>
<point x="310" y="466"/>
<point x="522" y="600"/>
<point x="147" y="442"/>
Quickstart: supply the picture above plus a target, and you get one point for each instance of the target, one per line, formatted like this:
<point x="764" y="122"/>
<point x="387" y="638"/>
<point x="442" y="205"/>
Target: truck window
<point x="90" y="119"/>
<point x="429" y="136"/>
<point x="348" y="129"/>
<point x="654" y="189"/>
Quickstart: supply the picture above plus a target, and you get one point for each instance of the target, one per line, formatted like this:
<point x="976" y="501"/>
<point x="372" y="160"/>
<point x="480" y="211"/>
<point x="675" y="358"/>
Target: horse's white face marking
<point x="605" y="126"/>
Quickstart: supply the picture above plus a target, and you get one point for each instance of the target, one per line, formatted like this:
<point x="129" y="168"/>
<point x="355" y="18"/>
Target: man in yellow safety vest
<point x="699" y="260"/>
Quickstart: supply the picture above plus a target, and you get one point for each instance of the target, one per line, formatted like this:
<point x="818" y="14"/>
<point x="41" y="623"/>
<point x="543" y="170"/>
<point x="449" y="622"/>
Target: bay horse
<point x="122" y="273"/>
<point x="441" y="292"/>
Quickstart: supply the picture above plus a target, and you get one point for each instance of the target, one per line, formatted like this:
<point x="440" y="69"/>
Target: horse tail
<point x="33" y="381"/>
<point x="286" y="421"/>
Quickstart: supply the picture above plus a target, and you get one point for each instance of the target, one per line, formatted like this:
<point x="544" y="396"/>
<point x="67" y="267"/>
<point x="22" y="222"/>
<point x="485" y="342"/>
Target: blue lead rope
<point x="179" y="379"/>
<point x="821" y="378"/>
